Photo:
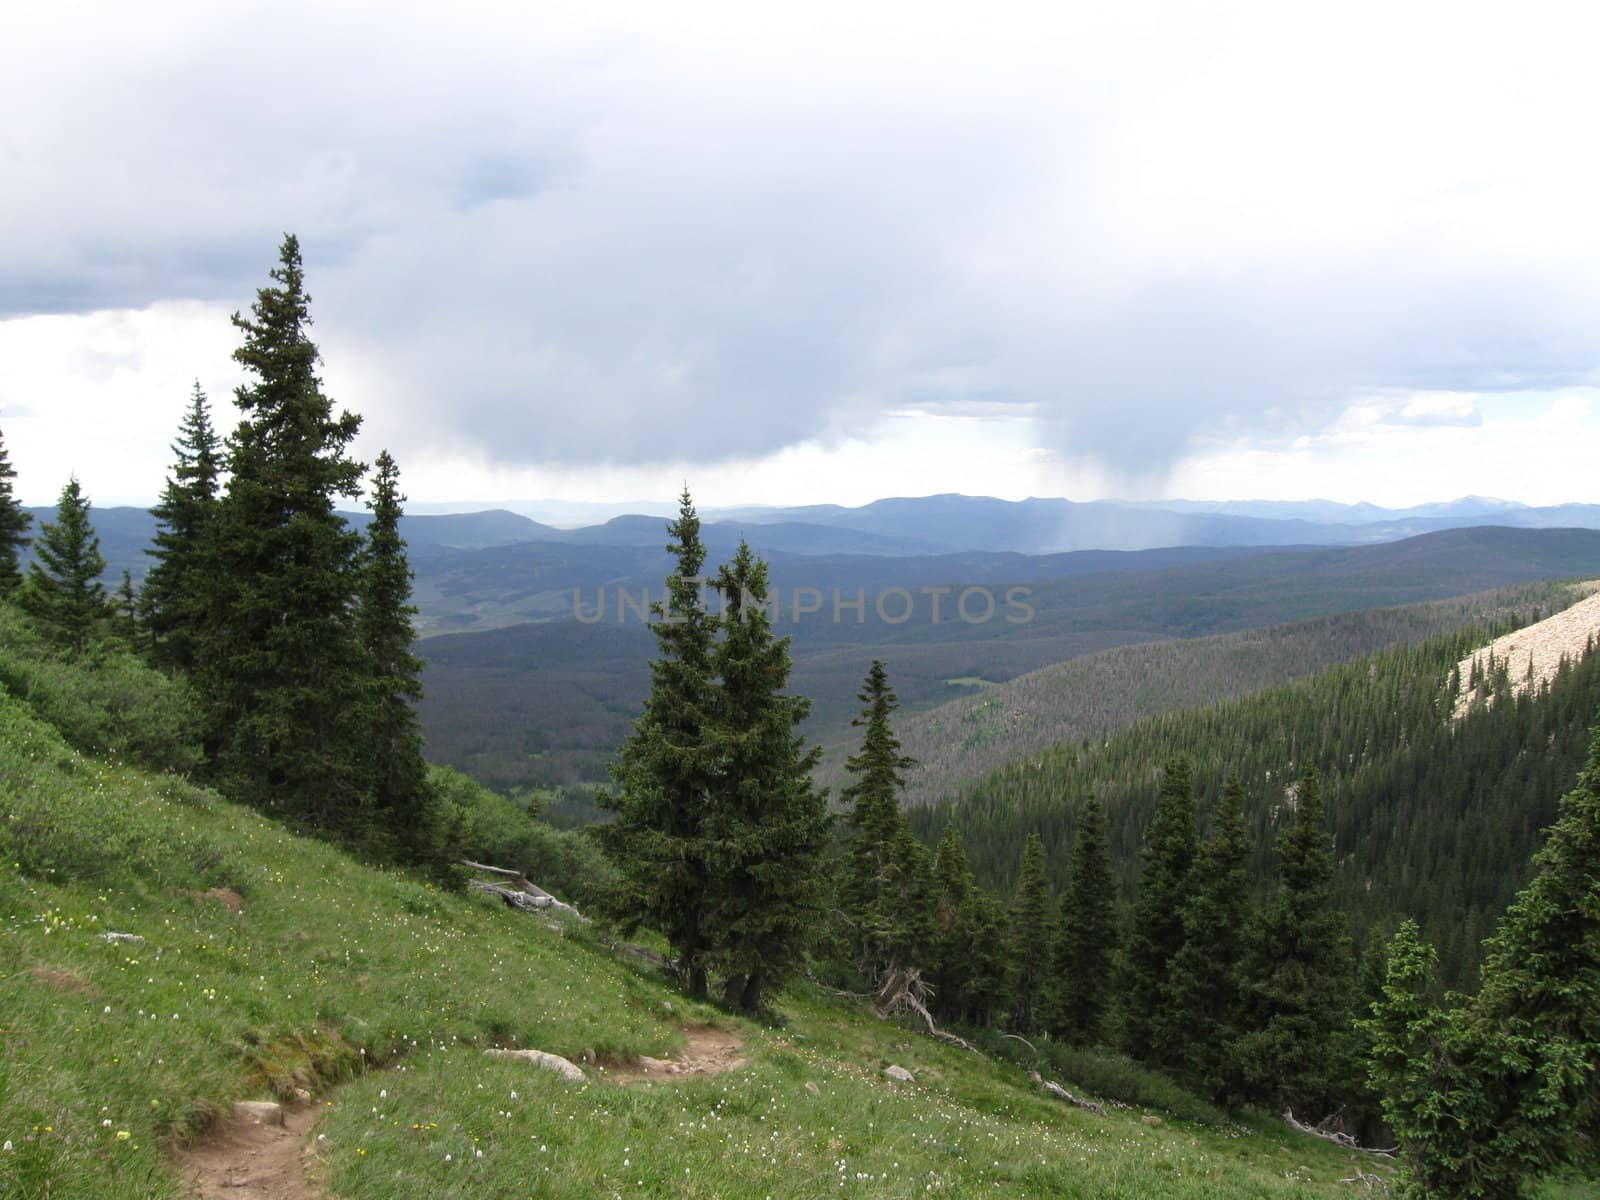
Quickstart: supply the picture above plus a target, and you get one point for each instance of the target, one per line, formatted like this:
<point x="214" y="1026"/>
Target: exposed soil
<point x="708" y="1052"/>
<point x="1543" y="644"/>
<point x="227" y="897"/>
<point x="242" y="1160"/>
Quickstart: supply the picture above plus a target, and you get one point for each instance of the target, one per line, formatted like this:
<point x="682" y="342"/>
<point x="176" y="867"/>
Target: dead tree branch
<point x="903" y="990"/>
<point x="1343" y="1140"/>
<point x="524" y="895"/>
<point x="1061" y="1093"/>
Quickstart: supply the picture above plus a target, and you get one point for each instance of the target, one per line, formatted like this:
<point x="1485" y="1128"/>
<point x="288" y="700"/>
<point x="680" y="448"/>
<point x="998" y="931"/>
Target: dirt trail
<point x="242" y="1160"/>
<point x="708" y="1052"/>
<point x="1542" y="644"/>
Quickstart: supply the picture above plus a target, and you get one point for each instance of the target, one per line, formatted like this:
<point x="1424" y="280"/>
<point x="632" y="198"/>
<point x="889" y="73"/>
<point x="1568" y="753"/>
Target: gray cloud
<point x="584" y="246"/>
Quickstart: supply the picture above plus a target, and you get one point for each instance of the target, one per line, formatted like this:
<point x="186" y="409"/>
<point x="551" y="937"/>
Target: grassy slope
<point x="331" y="966"/>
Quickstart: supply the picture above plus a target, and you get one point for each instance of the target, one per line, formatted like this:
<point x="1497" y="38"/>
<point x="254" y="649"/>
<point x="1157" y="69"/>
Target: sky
<point x="589" y="252"/>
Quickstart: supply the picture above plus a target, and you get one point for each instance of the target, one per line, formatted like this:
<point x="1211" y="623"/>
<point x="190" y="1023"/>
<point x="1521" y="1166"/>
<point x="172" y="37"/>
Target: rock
<point x="813" y="1088"/>
<point x="1150" y="1119"/>
<point x="258" y="1112"/>
<point x="666" y="1007"/>
<point x="538" y="1058"/>
<point x="900" y="1074"/>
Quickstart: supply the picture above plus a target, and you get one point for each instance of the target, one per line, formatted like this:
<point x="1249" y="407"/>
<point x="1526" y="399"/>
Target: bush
<point x="496" y="831"/>
<point x="108" y="704"/>
<point x="1105" y="1073"/>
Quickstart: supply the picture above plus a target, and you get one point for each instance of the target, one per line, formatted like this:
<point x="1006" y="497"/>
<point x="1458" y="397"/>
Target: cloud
<point x="627" y="239"/>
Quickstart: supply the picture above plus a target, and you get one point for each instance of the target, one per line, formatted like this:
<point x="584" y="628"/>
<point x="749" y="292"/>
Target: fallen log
<point x="1061" y="1093"/>
<point x="523" y="895"/>
<point x="1342" y="1140"/>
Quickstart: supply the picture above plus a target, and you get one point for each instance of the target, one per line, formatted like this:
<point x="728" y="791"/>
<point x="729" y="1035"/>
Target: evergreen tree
<point x="397" y="775"/>
<point x="177" y="588"/>
<point x="280" y="667"/>
<point x="984" y="936"/>
<point x="1087" y="945"/>
<point x="664" y="771"/>
<point x="1299" y="1046"/>
<point x="1206" y="989"/>
<point x="767" y="824"/>
<point x="1504" y="1087"/>
<point x="874" y="889"/>
<point x="1032" y="931"/>
<point x="952" y="888"/>
<point x="125" y="619"/>
<point x="63" y="592"/>
<point x="1151" y="1030"/>
<point x="14" y="524"/>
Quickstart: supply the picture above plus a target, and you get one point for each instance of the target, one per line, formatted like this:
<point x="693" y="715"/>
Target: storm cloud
<point x="633" y="239"/>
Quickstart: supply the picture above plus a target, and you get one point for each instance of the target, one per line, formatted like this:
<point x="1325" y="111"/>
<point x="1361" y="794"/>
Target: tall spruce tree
<point x="1299" y="1046"/>
<point x="397" y="775"/>
<point x="767" y="823"/>
<point x="1503" y="1088"/>
<point x="1207" y="982"/>
<point x="177" y="587"/>
<point x="1151" y="1030"/>
<point x="14" y="524"/>
<point x="879" y="867"/>
<point x="280" y="666"/>
<point x="983" y="931"/>
<point x="63" y="592"/>
<point x="664" y="771"/>
<point x="1033" y="929"/>
<point x="953" y="886"/>
<point x="1087" y="945"/>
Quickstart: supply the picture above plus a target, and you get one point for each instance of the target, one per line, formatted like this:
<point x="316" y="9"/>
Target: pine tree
<point x="1087" y="945"/>
<point x="664" y="771"/>
<point x="397" y="775"/>
<point x="1299" y="1046"/>
<point x="280" y="665"/>
<point x="1032" y="930"/>
<point x="63" y="592"/>
<point x="177" y="588"/>
<point x="767" y="823"/>
<point x="14" y="524"/>
<point x="1504" y="1087"/>
<point x="1151" y="1030"/>
<point x="1206" y="988"/>
<point x="125" y="614"/>
<point x="953" y="886"/>
<point x="873" y="891"/>
<point x="984" y="935"/>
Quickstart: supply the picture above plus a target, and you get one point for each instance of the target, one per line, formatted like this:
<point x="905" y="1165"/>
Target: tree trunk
<point x="751" y="999"/>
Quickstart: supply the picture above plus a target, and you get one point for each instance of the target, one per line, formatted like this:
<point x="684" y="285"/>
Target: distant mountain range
<point x="943" y="524"/>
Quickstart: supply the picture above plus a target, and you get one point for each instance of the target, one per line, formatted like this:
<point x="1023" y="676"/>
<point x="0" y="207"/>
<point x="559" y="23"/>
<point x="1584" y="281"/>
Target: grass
<point x="378" y="993"/>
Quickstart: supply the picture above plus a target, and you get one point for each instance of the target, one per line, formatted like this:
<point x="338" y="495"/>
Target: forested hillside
<point x="959" y="741"/>
<point x="556" y="715"/>
<point x="1431" y="818"/>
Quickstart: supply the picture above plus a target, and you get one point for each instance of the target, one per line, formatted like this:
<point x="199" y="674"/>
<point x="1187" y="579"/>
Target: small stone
<point x="258" y="1112"/>
<point x="1150" y="1119"/>
<point x="899" y="1074"/>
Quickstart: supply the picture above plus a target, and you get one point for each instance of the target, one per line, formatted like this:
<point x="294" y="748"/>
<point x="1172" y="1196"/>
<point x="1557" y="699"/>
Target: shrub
<point x="109" y="704"/>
